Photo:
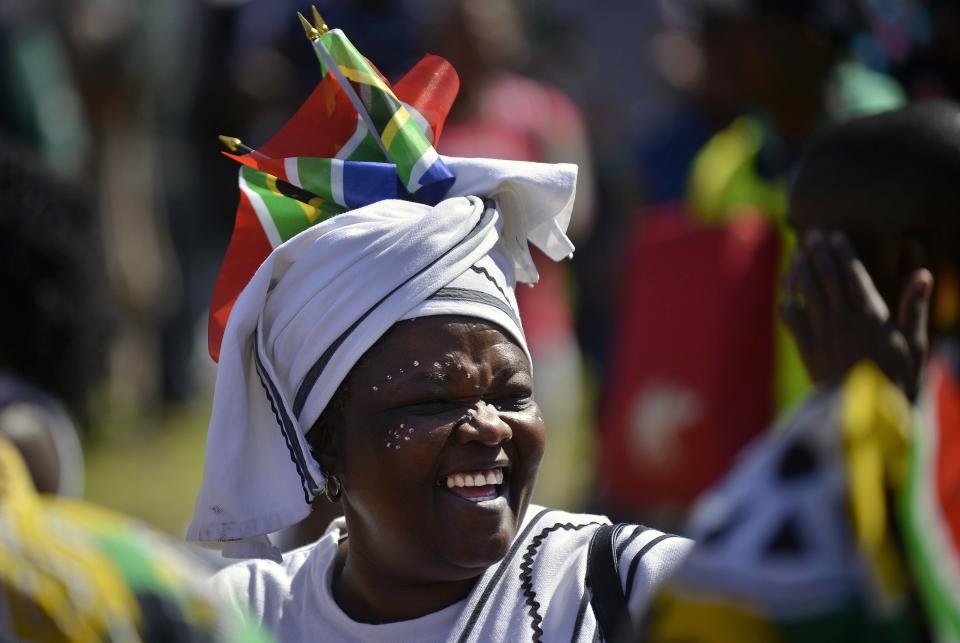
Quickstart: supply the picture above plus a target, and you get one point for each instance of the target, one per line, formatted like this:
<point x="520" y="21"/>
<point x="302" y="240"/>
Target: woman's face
<point x="438" y="449"/>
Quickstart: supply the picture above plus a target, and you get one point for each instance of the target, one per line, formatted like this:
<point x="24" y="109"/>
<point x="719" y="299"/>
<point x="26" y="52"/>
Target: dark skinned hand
<point x="838" y="317"/>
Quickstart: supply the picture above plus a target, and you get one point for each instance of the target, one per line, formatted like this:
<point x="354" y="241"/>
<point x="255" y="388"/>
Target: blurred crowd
<point x="659" y="349"/>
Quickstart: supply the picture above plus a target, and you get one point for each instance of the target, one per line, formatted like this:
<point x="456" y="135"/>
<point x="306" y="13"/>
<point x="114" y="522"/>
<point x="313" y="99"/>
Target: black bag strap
<point x="603" y="582"/>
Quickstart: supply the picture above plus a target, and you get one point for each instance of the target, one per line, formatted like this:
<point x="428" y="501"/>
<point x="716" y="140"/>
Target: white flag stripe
<point x="421" y="122"/>
<point x="292" y="168"/>
<point x="354" y="142"/>
<point x="263" y="214"/>
<point x="420" y="168"/>
<point x="336" y="181"/>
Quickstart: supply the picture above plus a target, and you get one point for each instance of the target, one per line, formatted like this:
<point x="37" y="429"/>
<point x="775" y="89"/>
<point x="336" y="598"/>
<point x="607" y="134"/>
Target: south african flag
<point x="355" y="141"/>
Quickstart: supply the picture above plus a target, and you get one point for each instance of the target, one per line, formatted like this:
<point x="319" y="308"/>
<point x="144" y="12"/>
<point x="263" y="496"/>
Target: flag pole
<point x="313" y="33"/>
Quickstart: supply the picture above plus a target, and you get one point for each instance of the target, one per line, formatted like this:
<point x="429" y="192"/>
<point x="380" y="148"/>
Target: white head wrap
<point x="324" y="297"/>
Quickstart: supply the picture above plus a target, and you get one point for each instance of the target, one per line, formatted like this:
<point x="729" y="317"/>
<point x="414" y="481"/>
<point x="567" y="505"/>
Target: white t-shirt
<point x="537" y="589"/>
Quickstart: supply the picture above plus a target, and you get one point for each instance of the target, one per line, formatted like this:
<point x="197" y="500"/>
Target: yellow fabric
<point x="875" y="423"/>
<point x="73" y="571"/>
<point x="57" y="584"/>
<point x="691" y="620"/>
<point x="724" y="183"/>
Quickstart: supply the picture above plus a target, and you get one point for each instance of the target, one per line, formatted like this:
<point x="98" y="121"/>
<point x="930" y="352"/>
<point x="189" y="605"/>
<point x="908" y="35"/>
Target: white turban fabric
<point x="323" y="298"/>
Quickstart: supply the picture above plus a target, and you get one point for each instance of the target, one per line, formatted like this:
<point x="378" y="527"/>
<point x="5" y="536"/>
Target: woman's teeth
<point x="475" y="478"/>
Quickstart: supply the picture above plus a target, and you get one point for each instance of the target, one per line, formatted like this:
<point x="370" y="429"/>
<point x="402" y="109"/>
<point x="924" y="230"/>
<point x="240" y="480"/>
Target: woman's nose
<point x="484" y="424"/>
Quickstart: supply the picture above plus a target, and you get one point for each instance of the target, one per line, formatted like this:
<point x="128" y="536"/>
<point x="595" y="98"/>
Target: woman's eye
<point x="514" y="402"/>
<point x="432" y="407"/>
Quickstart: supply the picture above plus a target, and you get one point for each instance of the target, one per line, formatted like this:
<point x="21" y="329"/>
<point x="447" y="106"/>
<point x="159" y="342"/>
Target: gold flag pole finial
<point x="318" y="22"/>
<point x="310" y="30"/>
<point x="234" y="144"/>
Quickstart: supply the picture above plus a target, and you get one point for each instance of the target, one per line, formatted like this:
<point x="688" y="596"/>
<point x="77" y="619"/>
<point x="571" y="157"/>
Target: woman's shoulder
<point x="646" y="557"/>
<point x="540" y="585"/>
<point x="262" y="588"/>
<point x="630" y="540"/>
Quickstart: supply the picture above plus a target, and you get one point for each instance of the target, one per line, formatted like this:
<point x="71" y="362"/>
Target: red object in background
<point x="692" y="379"/>
<point x="945" y="387"/>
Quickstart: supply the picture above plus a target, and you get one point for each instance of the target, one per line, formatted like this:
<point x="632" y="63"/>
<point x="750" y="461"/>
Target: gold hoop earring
<point x="333" y="494"/>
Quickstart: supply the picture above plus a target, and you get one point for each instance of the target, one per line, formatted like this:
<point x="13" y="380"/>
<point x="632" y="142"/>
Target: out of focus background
<point x="657" y="349"/>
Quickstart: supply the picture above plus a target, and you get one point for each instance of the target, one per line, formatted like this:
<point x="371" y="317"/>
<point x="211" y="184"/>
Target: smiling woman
<point x="443" y="459"/>
<point x="430" y="440"/>
<point x="376" y="359"/>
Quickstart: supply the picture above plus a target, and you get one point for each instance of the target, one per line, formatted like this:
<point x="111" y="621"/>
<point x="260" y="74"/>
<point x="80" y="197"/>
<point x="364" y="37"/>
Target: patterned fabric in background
<point x="72" y="571"/>
<point x="819" y="533"/>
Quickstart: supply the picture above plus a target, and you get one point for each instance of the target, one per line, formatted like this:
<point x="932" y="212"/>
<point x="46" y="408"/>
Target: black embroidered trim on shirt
<point x="636" y="560"/>
<point x="622" y="547"/>
<point x="526" y="573"/>
<point x="501" y="568"/>
<point x="581" y="612"/>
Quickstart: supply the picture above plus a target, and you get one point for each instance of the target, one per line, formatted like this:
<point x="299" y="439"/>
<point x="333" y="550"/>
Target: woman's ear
<point x="323" y="445"/>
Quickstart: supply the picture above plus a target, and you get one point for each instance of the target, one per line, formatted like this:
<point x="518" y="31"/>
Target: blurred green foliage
<point x="153" y="472"/>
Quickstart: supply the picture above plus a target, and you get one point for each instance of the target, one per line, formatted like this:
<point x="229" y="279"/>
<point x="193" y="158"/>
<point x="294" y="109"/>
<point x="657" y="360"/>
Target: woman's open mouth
<point x="475" y="486"/>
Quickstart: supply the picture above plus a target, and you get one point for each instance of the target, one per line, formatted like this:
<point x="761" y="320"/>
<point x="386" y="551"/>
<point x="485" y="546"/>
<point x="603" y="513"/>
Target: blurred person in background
<point x="114" y="54"/>
<point x="72" y="571"/>
<point x="843" y="525"/>
<point x="501" y="113"/>
<point x="42" y="108"/>
<point x="57" y="321"/>
<point x="788" y="68"/>
<point x="683" y="397"/>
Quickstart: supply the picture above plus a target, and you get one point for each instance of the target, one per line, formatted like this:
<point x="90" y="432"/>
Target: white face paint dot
<point x="397" y="447"/>
<point x="388" y="445"/>
<point x="436" y="364"/>
<point x="476" y="386"/>
<point x="389" y="377"/>
<point x="401" y="371"/>
<point x="416" y="363"/>
<point x="410" y="431"/>
<point x="468" y="375"/>
<point x="375" y="389"/>
<point x="401" y="425"/>
<point x="406" y="438"/>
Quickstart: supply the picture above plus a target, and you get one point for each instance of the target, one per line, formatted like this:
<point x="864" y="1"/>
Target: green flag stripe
<point x="315" y="175"/>
<point x="916" y="525"/>
<point x="367" y="150"/>
<point x="288" y="215"/>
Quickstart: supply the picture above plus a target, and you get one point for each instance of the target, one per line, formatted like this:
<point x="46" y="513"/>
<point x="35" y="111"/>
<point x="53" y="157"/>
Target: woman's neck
<point x="367" y="595"/>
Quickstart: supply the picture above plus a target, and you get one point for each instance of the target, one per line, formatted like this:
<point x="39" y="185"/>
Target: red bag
<point x="692" y="377"/>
